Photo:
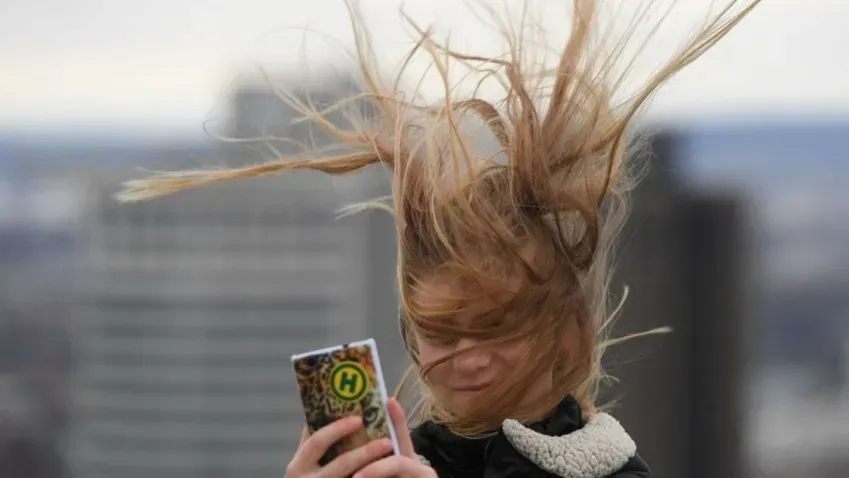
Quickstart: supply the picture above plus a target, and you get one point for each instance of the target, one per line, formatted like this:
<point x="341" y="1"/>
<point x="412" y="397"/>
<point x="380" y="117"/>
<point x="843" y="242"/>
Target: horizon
<point x="112" y="133"/>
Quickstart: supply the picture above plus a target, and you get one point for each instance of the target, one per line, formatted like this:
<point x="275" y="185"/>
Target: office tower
<point x="193" y="304"/>
<point x="683" y="255"/>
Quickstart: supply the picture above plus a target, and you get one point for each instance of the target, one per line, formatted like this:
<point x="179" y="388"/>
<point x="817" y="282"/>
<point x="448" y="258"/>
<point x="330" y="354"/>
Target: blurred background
<point x="154" y="339"/>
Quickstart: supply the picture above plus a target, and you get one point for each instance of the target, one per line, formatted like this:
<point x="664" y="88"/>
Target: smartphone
<point x="341" y="381"/>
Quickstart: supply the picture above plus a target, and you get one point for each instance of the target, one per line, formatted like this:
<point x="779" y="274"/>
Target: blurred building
<point x="685" y="260"/>
<point x="193" y="304"/>
<point x="38" y="240"/>
<point x="699" y="401"/>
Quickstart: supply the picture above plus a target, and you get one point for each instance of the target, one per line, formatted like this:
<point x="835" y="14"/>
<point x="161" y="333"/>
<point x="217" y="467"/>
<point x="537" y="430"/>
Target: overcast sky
<point x="169" y="62"/>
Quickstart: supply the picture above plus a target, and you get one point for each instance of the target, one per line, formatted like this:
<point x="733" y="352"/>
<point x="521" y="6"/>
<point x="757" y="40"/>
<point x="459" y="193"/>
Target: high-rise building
<point x="193" y="304"/>
<point x="684" y="258"/>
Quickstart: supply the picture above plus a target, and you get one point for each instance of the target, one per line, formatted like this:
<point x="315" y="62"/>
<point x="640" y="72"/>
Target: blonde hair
<point x="545" y="208"/>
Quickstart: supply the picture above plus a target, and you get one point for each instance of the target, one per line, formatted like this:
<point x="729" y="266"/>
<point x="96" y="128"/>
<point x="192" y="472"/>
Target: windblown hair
<point x="531" y="225"/>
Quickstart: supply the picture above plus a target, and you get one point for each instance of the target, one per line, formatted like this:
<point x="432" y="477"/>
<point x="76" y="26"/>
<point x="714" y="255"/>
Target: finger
<point x="349" y="462"/>
<point x="319" y="442"/>
<point x="392" y="467"/>
<point x="402" y="432"/>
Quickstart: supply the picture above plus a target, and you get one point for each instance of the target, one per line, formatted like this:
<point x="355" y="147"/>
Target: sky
<point x="167" y="65"/>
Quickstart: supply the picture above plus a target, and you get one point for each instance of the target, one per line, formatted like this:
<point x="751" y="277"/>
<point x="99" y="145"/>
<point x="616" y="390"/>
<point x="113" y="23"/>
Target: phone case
<point x="341" y="381"/>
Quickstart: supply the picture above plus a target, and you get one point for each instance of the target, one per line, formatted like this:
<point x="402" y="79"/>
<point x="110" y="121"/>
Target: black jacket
<point x="494" y="457"/>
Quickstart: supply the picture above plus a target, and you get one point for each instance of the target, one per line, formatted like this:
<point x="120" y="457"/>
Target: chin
<point x="462" y="401"/>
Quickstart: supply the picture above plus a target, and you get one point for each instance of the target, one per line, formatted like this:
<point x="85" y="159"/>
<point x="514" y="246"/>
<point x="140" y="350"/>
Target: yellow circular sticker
<point x="349" y="381"/>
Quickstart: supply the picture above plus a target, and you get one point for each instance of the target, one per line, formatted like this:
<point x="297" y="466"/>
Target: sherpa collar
<point x="599" y="449"/>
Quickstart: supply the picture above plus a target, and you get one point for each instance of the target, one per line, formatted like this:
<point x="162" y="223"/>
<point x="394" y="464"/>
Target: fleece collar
<point x="599" y="449"/>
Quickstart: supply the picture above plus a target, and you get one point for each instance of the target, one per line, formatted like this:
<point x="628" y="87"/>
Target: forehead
<point x="443" y="291"/>
<point x="449" y="294"/>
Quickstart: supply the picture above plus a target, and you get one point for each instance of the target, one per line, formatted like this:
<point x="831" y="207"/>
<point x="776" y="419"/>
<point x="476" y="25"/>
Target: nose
<point x="473" y="360"/>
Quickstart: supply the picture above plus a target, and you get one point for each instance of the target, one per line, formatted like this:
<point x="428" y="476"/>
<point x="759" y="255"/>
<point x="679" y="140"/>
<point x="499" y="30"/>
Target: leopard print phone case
<point x="341" y="381"/>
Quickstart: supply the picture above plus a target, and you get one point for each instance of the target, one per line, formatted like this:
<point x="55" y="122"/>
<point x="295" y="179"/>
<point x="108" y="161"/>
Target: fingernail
<point x="358" y="475"/>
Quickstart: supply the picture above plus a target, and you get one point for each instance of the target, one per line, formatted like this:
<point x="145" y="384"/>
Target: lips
<point x="470" y="388"/>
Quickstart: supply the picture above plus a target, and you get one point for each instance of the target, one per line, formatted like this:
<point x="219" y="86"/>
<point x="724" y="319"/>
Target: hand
<point x="405" y="465"/>
<point x="312" y="447"/>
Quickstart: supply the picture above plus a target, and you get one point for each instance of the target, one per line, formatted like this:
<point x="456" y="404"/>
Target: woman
<point x="503" y="259"/>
